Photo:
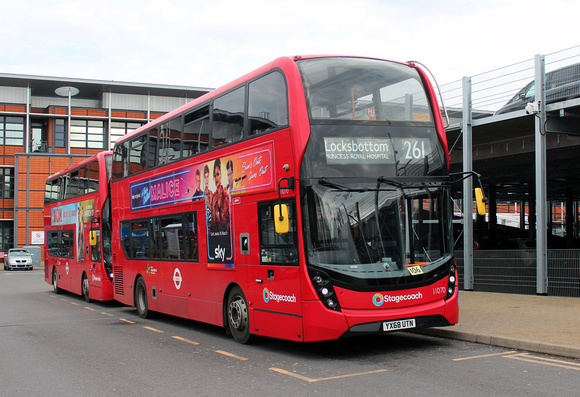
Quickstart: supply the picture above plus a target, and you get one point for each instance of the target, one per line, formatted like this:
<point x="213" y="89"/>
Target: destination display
<point x="375" y="150"/>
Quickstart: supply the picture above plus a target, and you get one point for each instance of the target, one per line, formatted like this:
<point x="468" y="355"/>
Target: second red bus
<point x="77" y="229"/>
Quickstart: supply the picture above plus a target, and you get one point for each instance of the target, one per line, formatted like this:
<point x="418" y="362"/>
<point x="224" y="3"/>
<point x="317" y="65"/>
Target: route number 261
<point x="414" y="150"/>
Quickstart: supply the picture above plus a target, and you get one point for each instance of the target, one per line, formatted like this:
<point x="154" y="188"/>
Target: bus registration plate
<point x="398" y="325"/>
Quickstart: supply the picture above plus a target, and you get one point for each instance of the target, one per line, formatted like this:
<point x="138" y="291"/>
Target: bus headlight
<point x="331" y="303"/>
<point x="452" y="281"/>
<point x="325" y="290"/>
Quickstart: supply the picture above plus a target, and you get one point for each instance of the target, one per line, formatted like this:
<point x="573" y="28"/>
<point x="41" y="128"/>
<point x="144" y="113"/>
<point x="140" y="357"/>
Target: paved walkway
<point x="542" y="324"/>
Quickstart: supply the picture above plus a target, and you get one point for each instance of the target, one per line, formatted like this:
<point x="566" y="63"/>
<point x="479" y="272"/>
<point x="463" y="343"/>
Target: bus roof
<point x="281" y="62"/>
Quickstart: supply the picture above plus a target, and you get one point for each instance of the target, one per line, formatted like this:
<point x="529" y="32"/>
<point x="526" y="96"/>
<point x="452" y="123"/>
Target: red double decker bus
<point x="78" y="229"/>
<point x="307" y="200"/>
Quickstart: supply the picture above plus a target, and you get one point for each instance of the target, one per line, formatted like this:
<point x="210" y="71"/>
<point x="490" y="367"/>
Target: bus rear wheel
<point x="55" y="286"/>
<point x="85" y="288"/>
<point x="238" y="316"/>
<point x="141" y="299"/>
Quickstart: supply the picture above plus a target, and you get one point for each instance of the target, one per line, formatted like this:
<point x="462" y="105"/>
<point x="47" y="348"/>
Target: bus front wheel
<point x="85" y="288"/>
<point x="141" y="299"/>
<point x="55" y="286"/>
<point x="239" y="316"/>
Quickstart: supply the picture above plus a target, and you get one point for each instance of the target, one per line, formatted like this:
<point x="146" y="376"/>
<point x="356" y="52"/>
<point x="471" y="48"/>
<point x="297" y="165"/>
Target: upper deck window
<point x="137" y="155"/>
<point x="257" y="106"/>
<point x="196" y="131"/>
<point x="363" y="89"/>
<point x="268" y="103"/>
<point x="228" y="117"/>
<point x="170" y="141"/>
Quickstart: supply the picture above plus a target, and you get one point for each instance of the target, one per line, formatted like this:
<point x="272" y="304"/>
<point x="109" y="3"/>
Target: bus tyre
<point x="55" y="286"/>
<point x="238" y="316"/>
<point x="85" y="288"/>
<point x="141" y="299"/>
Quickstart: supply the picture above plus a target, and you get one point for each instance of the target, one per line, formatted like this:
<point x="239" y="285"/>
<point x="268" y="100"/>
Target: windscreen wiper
<point x="418" y="182"/>
<point x="414" y="182"/>
<point x="325" y="182"/>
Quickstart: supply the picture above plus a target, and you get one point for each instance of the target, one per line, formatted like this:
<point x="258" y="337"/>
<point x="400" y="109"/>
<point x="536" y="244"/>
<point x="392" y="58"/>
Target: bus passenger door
<point x="95" y="269"/>
<point x="175" y="234"/>
<point x="278" y="309"/>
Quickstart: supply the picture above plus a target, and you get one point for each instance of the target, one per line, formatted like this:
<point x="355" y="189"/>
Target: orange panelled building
<point x="49" y="123"/>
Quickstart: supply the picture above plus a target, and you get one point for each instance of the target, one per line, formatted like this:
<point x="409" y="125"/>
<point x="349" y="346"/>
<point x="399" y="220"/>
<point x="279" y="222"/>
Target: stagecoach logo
<point x="379" y="299"/>
<point x="269" y="295"/>
<point x="177" y="278"/>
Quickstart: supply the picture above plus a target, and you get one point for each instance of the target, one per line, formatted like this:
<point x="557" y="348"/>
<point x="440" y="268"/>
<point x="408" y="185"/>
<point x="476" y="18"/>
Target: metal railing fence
<point x="514" y="271"/>
<point x="492" y="89"/>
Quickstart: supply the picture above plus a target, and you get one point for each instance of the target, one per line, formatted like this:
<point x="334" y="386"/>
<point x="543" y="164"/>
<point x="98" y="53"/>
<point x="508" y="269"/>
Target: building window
<point x="7" y="179"/>
<point x="87" y="134"/>
<point x="6" y="235"/>
<point x="60" y="133"/>
<point x="12" y="131"/>
<point x="119" y="129"/>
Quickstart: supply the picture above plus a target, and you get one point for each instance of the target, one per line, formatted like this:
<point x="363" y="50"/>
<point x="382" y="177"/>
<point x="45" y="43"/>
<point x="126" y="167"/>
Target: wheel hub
<point x="238" y="314"/>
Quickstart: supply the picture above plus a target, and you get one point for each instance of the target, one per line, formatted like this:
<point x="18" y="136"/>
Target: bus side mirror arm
<point x="480" y="199"/>
<point x="281" y="221"/>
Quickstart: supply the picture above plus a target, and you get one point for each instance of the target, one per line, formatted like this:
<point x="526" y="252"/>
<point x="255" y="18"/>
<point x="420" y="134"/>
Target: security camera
<point x="529" y="108"/>
<point x="533" y="108"/>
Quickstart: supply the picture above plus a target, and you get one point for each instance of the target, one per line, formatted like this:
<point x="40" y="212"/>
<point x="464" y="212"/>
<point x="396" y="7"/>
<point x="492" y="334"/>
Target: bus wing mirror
<point x="480" y="201"/>
<point x="93" y="239"/>
<point x="281" y="221"/>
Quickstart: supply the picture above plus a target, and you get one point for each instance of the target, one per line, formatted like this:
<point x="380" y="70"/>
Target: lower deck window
<point x="277" y="248"/>
<point x="171" y="237"/>
<point x="61" y="243"/>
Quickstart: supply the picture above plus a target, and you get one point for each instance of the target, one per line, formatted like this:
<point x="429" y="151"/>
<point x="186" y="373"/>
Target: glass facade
<point x="7" y="178"/>
<point x="121" y="128"/>
<point x="87" y="134"/>
<point x="59" y="133"/>
<point x="6" y="235"/>
<point x="42" y="133"/>
<point x="12" y="131"/>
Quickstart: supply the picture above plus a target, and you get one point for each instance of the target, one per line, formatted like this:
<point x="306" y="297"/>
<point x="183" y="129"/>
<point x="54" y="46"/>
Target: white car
<point x="18" y="258"/>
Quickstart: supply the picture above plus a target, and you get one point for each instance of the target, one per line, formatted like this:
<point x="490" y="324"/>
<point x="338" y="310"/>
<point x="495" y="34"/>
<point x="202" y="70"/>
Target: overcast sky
<point x="209" y="43"/>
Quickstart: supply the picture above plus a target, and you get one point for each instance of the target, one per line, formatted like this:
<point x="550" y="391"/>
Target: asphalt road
<point x="59" y="345"/>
